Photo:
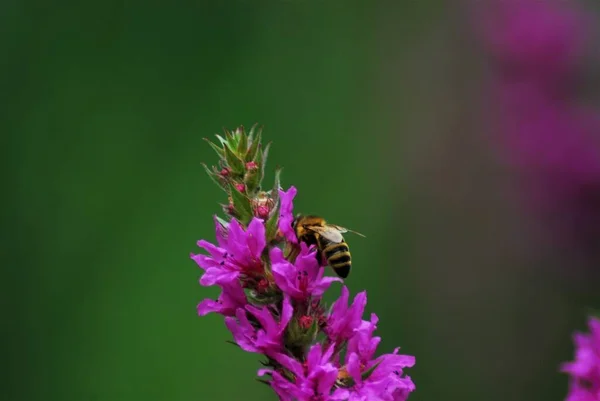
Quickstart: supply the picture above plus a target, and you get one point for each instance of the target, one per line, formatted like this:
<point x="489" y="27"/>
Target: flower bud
<point x="251" y="165"/>
<point x="306" y="322"/>
<point x="240" y="187"/>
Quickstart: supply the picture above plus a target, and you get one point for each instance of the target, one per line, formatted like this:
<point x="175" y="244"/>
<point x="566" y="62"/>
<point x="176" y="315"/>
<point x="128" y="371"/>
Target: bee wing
<point x="329" y="232"/>
<point x="346" y="230"/>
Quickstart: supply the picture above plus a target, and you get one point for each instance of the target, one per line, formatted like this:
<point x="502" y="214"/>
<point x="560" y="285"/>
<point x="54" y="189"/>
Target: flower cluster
<point x="585" y="369"/>
<point x="535" y="49"/>
<point x="271" y="293"/>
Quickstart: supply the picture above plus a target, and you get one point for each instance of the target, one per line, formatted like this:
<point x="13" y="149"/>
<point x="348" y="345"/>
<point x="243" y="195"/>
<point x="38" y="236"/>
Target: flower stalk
<point x="272" y="287"/>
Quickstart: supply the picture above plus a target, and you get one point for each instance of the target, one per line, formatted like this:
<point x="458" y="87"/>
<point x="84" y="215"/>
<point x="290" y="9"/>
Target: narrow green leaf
<point x="242" y="145"/>
<point x="241" y="204"/>
<point x="271" y="226"/>
<point x="251" y="133"/>
<point x="265" y="155"/>
<point x="222" y="140"/>
<point x="365" y="375"/>
<point x="233" y="161"/>
<point x="252" y="181"/>
<point x="217" y="149"/>
<point x="213" y="177"/>
<point x="222" y="222"/>
<point x="276" y="185"/>
<point x="254" y="147"/>
<point x="264" y="381"/>
<point x="233" y="138"/>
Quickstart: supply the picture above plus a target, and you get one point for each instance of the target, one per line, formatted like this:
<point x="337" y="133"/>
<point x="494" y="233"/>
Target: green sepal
<point x="242" y="145"/>
<point x="233" y="343"/>
<point x="229" y="137"/>
<point x="268" y="383"/>
<point x="222" y="222"/>
<point x="261" y="299"/>
<point x="254" y="146"/>
<point x="263" y="161"/>
<point x="222" y="140"/>
<point x="365" y="375"/>
<point x="234" y="138"/>
<point x="241" y="205"/>
<point x="217" y="149"/>
<point x="276" y="185"/>
<point x="271" y="226"/>
<point x="214" y="177"/>
<point x="234" y="162"/>
<point x="251" y="133"/>
<point x="252" y="181"/>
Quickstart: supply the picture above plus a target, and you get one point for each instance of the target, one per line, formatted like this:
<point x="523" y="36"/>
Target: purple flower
<point x="386" y="380"/>
<point x="232" y="297"/>
<point x="239" y="252"/>
<point x="302" y="279"/>
<point x="536" y="49"/>
<point x="286" y="216"/>
<point x="362" y="342"/>
<point x="343" y="320"/>
<point x="313" y="381"/>
<point x="269" y="338"/>
<point x="585" y="370"/>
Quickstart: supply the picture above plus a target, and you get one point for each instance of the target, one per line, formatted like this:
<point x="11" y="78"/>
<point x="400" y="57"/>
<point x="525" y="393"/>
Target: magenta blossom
<point x="314" y="380"/>
<point x="386" y="380"/>
<point x="302" y="279"/>
<point x="269" y="338"/>
<point x="585" y="370"/>
<point x="232" y="297"/>
<point x="286" y="214"/>
<point x="343" y="320"/>
<point x="238" y="253"/>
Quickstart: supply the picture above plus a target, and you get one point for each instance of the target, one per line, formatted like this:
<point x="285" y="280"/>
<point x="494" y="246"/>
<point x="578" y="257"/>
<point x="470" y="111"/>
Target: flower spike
<point x="272" y="302"/>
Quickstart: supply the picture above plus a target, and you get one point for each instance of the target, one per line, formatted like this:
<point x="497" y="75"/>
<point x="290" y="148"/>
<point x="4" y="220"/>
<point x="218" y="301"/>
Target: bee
<point x="314" y="230"/>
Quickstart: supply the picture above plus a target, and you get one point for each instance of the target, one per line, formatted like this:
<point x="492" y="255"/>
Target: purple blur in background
<point x="536" y="49"/>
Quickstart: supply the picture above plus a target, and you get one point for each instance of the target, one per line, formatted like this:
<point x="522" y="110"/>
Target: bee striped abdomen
<point x="338" y="257"/>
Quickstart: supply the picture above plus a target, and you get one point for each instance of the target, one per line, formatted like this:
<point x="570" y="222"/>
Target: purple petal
<point x="307" y="261"/>
<point x="204" y="261"/>
<point x="286" y="390"/>
<point x="256" y="238"/>
<point x="289" y="363"/>
<point x="328" y="375"/>
<point x="242" y="330"/>
<point x="286" y="313"/>
<point x="221" y="233"/>
<point x="264" y="316"/>
<point x="313" y="359"/>
<point x="322" y="286"/>
<point x="207" y="306"/>
<point x="214" y="251"/>
<point x="353" y="367"/>
<point x="341" y="304"/>
<point x="218" y="275"/>
<point x="286" y="216"/>
<point x="339" y="395"/>
<point x="237" y="240"/>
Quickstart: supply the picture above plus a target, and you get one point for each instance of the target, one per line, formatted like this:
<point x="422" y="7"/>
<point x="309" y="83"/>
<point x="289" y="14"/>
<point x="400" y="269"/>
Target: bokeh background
<point x="378" y="112"/>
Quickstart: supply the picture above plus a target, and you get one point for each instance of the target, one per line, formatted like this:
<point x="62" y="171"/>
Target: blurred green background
<point x="104" y="107"/>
